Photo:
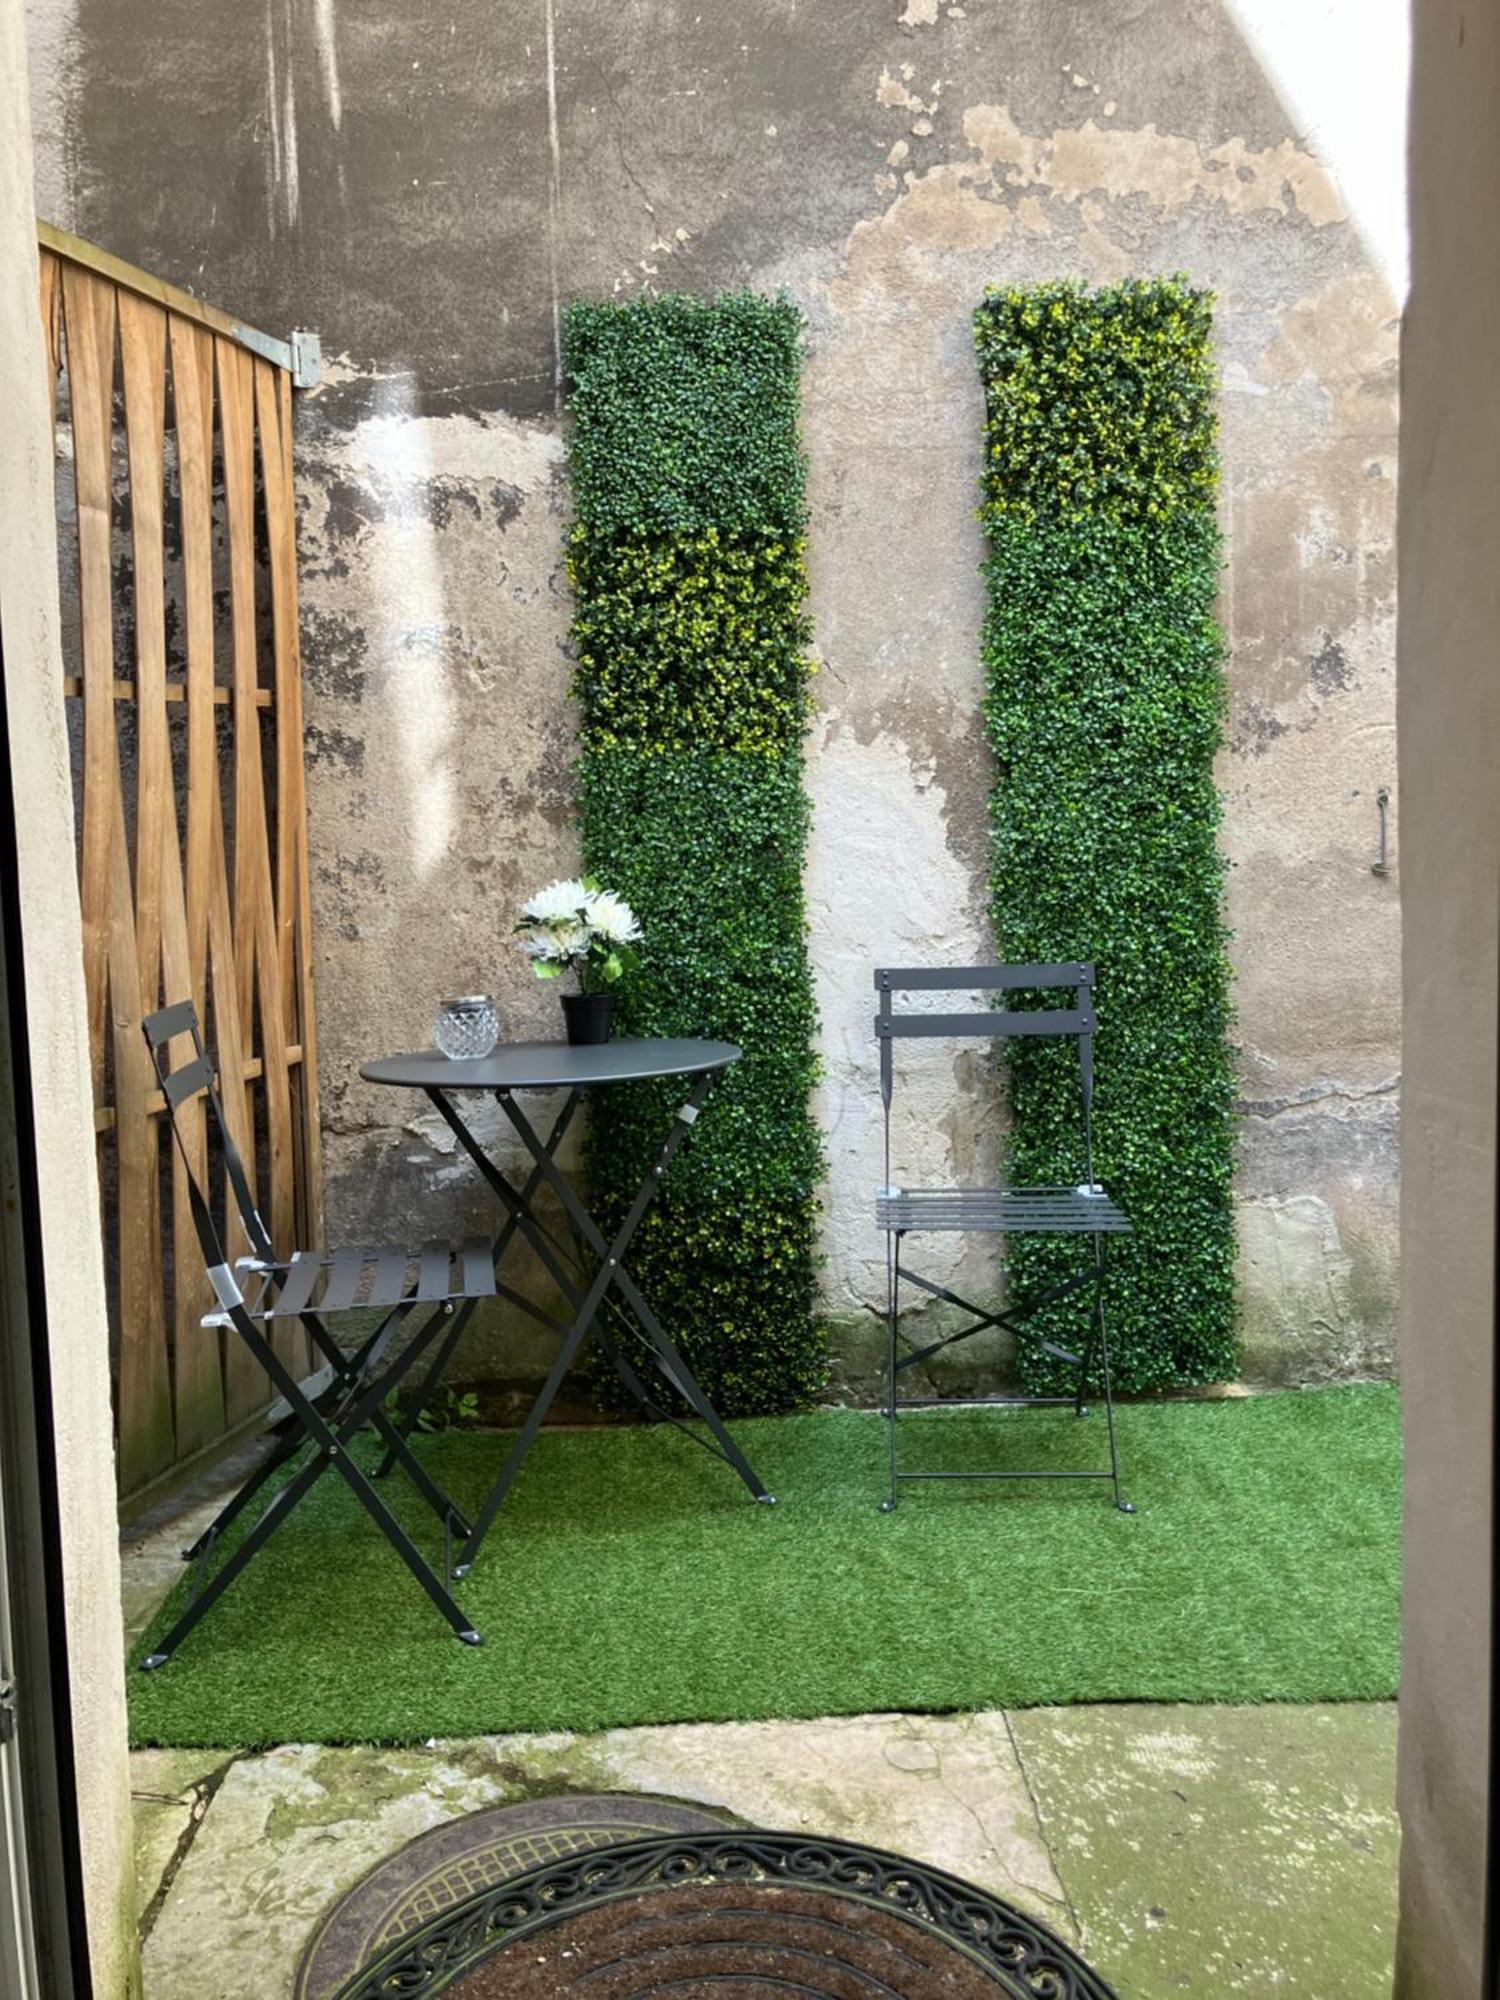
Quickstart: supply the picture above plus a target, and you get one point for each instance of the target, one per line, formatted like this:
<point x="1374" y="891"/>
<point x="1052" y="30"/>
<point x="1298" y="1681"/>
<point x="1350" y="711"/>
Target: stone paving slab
<point x="1190" y="1851"/>
<point x="1212" y="1851"/>
<point x="169" y="1791"/>
<point x="289" y="1831"/>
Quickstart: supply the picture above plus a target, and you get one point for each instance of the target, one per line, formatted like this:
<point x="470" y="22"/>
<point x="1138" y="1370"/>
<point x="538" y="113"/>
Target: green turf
<point x="631" y="1580"/>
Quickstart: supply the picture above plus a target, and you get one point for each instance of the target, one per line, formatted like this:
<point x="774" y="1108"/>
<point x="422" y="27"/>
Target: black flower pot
<point x="586" y="1016"/>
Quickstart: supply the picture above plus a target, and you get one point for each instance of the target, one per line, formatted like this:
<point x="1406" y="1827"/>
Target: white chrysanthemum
<point x="558" y="903"/>
<point x="572" y="940"/>
<point x="612" y="917"/>
<point x="542" y="946"/>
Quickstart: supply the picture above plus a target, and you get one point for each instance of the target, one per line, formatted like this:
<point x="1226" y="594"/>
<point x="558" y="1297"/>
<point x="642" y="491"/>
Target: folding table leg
<point x="520" y="1216"/>
<point x="635" y="1388"/>
<point x="526" y="1437"/>
<point x="449" y="1346"/>
<point x="667" y="1355"/>
<point x="609" y="1275"/>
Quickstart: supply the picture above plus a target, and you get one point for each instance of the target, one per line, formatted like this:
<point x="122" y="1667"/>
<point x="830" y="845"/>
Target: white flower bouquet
<point x="579" y="927"/>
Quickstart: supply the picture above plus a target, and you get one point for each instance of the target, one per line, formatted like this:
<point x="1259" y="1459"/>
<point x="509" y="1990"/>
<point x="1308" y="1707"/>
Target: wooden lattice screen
<point x="179" y="594"/>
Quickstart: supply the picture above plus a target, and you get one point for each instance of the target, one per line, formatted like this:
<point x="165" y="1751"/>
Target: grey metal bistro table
<point x="590" y="1272"/>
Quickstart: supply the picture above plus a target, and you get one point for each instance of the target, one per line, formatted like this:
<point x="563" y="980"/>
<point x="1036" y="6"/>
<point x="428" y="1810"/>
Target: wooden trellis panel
<point x="175" y="488"/>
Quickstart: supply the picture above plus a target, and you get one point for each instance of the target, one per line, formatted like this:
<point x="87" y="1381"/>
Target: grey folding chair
<point x="329" y="1409"/>
<point x="1081" y="1209"/>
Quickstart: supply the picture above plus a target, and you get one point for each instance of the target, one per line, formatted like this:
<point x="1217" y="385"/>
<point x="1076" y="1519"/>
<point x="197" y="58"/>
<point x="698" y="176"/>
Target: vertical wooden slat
<point x="192" y="399"/>
<point x="281" y="562"/>
<point x="245" y="1384"/>
<point x="204" y="872"/>
<point x="51" y="286"/>
<point x="143" y="372"/>
<point x="255" y="929"/>
<point x="112" y="969"/>
<point x="91" y="340"/>
<point x="161" y="911"/>
<point x="273" y="401"/>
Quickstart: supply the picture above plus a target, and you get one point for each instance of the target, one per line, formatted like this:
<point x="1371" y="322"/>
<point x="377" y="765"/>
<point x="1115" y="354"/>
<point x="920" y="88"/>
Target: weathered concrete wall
<point x="427" y="192"/>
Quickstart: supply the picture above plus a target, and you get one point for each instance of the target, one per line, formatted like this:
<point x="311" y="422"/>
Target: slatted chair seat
<point x="327" y="1282"/>
<point x="1000" y="1211"/>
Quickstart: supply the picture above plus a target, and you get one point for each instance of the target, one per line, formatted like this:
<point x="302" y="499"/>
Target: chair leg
<point x="399" y="1452"/>
<point x="346" y="1372"/>
<point x="285" y="1448"/>
<point x="330" y="1449"/>
<point x="893" y="1270"/>
<point x="1086" y="1363"/>
<point x="424" y="1395"/>
<point x="402" y="1543"/>
<point x="1121" y="1502"/>
<point x="281" y="1505"/>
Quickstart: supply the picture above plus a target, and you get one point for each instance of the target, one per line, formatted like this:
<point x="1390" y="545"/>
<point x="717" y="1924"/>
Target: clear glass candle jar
<point x="466" y="1029"/>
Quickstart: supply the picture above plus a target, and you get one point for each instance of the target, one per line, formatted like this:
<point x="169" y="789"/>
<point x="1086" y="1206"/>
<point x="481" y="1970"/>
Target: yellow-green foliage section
<point x="1098" y="402"/>
<point x="690" y="642"/>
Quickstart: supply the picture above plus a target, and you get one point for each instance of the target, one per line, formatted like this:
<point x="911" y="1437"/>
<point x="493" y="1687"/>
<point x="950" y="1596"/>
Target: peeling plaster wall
<point x="427" y="190"/>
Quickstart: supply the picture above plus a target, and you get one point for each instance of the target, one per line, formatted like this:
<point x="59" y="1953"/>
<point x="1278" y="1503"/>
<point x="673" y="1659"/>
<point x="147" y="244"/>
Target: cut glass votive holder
<point x="466" y="1029"/>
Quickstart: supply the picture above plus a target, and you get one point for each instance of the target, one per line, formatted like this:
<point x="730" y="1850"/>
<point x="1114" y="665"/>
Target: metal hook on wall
<point x="1381" y="864"/>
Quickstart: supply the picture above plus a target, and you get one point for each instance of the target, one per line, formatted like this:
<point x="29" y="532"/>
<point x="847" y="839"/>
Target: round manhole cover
<point x="451" y="1864"/>
<point x="732" y="1916"/>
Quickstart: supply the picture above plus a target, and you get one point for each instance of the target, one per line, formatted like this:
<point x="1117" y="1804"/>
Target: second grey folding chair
<point x="1081" y="1208"/>
<point x="322" y="1414"/>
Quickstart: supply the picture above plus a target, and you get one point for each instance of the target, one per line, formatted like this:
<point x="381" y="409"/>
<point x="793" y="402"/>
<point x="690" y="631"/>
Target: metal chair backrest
<point x="180" y="1083"/>
<point x="1076" y="1021"/>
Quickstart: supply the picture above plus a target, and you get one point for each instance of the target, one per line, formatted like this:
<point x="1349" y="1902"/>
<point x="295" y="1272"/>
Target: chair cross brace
<point x="350" y="1372"/>
<point x="363" y="1395"/>
<point x="1008" y="1320"/>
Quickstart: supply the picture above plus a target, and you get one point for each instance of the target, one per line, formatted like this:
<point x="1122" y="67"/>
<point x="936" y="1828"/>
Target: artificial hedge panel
<point x="688" y="570"/>
<point x="690" y="642"/>
<point x="685" y="415"/>
<point x="1104" y="706"/>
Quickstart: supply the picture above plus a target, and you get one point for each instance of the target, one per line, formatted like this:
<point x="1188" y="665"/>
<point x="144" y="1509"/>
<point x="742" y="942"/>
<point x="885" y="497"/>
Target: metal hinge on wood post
<point x="307" y="359"/>
<point x="7" y="1712"/>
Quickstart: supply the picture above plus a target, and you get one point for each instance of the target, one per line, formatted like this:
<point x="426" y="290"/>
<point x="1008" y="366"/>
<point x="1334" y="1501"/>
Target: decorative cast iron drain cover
<point x="732" y="1916"/>
<point x="452" y="1863"/>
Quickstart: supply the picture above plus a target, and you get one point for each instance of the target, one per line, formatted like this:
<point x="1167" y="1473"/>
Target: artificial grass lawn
<point x="630" y="1579"/>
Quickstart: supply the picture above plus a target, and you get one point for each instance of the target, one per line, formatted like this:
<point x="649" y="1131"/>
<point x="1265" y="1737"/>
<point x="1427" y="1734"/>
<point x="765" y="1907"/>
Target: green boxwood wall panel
<point x="690" y="635"/>
<point x="1104" y="704"/>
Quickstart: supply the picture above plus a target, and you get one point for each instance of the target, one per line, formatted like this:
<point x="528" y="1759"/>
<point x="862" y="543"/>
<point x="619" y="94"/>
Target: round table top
<point x="553" y="1065"/>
